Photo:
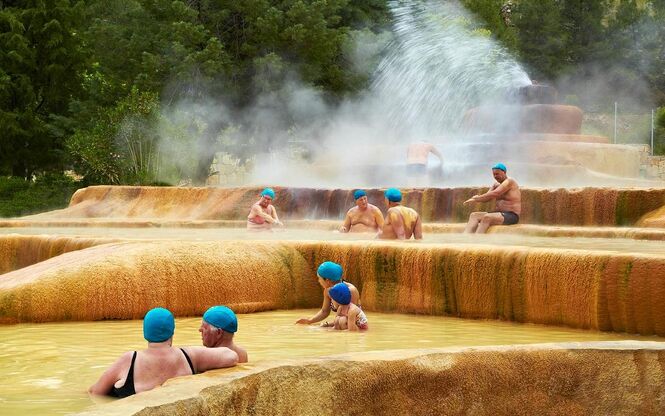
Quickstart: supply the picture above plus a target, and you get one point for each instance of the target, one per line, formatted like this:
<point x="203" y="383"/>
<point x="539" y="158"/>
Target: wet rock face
<point x="548" y="379"/>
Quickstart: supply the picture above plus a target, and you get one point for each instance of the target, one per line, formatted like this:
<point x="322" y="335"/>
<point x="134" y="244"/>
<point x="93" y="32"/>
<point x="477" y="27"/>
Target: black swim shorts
<point x="509" y="217"/>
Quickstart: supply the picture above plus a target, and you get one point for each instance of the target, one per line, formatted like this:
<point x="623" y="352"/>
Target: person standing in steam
<point x="508" y="197"/>
<point x="416" y="159"/>
<point x="401" y="222"/>
<point x="364" y="217"/>
<point x="262" y="216"/>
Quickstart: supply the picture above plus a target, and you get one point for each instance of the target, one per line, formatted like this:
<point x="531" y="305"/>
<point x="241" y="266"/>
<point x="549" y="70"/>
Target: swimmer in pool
<point x="349" y="315"/>
<point x="508" y="206"/>
<point x="401" y="222"/>
<point x="262" y="216"/>
<point x="138" y="371"/>
<point x="362" y="218"/>
<point x="218" y="326"/>
<point x="329" y="274"/>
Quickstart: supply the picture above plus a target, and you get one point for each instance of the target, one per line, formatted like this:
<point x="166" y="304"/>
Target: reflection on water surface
<point x="46" y="368"/>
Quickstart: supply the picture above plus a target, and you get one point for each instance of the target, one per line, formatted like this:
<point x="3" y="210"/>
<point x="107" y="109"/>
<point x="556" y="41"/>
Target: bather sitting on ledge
<point x="218" y="326"/>
<point x="401" y="222"/>
<point x="506" y="191"/>
<point x="262" y="216"/>
<point x="135" y="372"/>
<point x="364" y="217"/>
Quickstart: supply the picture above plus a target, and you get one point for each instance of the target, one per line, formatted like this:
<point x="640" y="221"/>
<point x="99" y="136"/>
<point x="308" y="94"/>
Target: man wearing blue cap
<point x="401" y="222"/>
<point x="508" y="198"/>
<point x="364" y="217"/>
<point x="262" y="216"/>
<point x="218" y="326"/>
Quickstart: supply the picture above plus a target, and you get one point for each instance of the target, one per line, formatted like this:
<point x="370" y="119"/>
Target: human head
<point x="329" y="273"/>
<point x="393" y="195"/>
<point x="158" y="325"/>
<point x="360" y="196"/>
<point x="217" y="322"/>
<point x="499" y="172"/>
<point x="267" y="195"/>
<point x="340" y="293"/>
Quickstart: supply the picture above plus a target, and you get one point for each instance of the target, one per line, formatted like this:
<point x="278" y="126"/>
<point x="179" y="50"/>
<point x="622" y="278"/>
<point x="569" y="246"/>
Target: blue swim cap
<point x="269" y="192"/>
<point x="331" y="271"/>
<point x="340" y="293"/>
<point x="393" y="195"/>
<point x="221" y="317"/>
<point x="499" y="166"/>
<point x="359" y="194"/>
<point x="158" y="325"/>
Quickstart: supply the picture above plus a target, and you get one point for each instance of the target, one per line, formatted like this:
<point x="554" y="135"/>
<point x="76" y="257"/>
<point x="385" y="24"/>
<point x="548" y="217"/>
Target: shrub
<point x="47" y="192"/>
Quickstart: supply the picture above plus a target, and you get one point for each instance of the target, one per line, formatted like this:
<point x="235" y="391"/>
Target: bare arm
<point x="274" y="215"/>
<point x="256" y="211"/>
<point x="351" y="320"/>
<point x="418" y="230"/>
<point x="112" y="374"/>
<point x="378" y="217"/>
<point x="436" y="153"/>
<point x="493" y="193"/>
<point x="321" y="314"/>
<point x="347" y="223"/>
<point x="397" y="223"/>
<point x="205" y="358"/>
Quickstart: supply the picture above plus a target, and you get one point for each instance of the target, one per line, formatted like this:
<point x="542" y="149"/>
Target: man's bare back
<point x="417" y="153"/>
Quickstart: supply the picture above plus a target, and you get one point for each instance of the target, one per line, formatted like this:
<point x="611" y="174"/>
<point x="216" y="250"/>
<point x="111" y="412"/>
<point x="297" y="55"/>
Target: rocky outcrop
<point x="626" y="378"/>
<point x="601" y="290"/>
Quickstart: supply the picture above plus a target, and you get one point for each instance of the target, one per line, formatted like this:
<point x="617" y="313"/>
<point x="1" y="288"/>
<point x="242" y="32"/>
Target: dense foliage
<point x="92" y="85"/>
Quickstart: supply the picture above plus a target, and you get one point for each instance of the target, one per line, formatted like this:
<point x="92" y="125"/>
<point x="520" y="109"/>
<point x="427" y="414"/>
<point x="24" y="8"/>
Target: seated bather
<point x="401" y="222"/>
<point x="138" y="371"/>
<point x="330" y="274"/>
<point x="508" y="206"/>
<point x="362" y="218"/>
<point x="218" y="326"/>
<point x="262" y="216"/>
<point x="349" y="315"/>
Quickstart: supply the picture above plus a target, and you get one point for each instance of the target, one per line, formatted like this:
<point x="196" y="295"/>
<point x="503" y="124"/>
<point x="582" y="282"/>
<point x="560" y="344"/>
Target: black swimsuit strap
<point x="189" y="361"/>
<point x="127" y="389"/>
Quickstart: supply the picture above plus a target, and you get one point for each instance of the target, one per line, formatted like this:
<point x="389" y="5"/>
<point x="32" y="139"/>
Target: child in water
<point x="349" y="315"/>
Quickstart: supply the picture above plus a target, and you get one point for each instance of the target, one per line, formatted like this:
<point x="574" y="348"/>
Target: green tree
<point x="40" y="63"/>
<point x="542" y="40"/>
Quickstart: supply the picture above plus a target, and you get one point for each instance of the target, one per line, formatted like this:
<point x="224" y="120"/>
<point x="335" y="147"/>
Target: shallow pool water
<point x="46" y="368"/>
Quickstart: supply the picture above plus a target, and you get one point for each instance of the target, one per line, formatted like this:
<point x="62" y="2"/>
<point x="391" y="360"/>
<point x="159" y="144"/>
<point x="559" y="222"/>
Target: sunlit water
<point x="617" y="245"/>
<point x="46" y="368"/>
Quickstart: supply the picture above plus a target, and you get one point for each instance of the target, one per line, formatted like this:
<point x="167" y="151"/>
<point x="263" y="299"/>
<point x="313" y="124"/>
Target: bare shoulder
<point x="512" y="182"/>
<point x="374" y="207"/>
<point x="352" y="210"/>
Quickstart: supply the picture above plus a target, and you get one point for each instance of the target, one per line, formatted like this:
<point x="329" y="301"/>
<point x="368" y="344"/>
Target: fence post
<point x="615" y="121"/>
<point x="652" y="131"/>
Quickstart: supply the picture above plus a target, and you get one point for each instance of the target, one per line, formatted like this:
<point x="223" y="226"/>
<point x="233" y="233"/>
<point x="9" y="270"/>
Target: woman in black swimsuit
<point x="138" y="371"/>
